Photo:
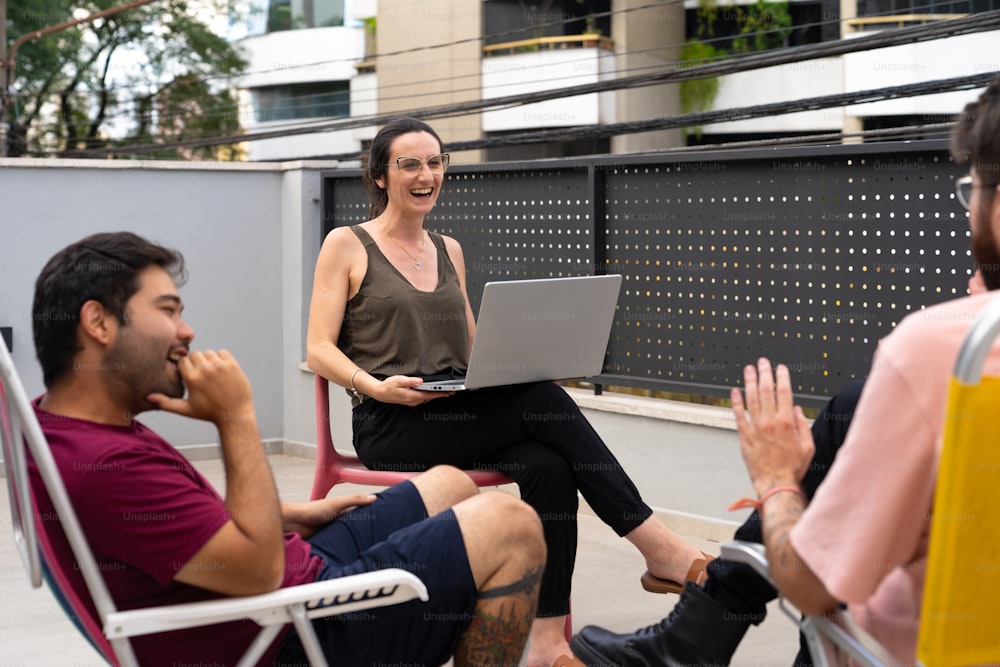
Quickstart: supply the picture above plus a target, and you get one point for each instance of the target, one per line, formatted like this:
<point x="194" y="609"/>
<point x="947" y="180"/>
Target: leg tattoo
<point x="500" y="624"/>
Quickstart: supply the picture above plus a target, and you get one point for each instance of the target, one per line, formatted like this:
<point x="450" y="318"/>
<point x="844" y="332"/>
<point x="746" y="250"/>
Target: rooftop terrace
<point x="34" y="631"/>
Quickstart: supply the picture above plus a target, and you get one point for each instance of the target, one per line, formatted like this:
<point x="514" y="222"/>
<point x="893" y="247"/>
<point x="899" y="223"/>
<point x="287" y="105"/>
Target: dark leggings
<point x="736" y="586"/>
<point x="533" y="433"/>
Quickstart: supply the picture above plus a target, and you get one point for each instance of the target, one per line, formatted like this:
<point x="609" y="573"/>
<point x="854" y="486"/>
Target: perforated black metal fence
<point x="808" y="255"/>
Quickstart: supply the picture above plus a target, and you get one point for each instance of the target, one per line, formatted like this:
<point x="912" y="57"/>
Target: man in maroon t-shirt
<point x="110" y="338"/>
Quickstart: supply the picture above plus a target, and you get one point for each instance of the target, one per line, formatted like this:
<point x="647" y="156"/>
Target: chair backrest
<point x="961" y="605"/>
<point x="332" y="467"/>
<point x="23" y="440"/>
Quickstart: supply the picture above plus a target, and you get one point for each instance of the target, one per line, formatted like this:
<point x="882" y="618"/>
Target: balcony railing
<point x="586" y="40"/>
<point x="897" y="21"/>
<point x="806" y="255"/>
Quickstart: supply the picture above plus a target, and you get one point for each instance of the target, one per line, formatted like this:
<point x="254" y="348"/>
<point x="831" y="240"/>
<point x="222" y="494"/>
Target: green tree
<point x="152" y="73"/>
<point x="763" y="25"/>
<point x="699" y="94"/>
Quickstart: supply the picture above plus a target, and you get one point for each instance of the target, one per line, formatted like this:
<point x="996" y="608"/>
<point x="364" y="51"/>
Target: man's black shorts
<point x="394" y="531"/>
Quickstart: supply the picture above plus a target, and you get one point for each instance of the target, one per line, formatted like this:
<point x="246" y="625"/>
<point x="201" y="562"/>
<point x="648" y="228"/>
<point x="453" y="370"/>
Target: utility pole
<point x="7" y="59"/>
<point x="4" y="80"/>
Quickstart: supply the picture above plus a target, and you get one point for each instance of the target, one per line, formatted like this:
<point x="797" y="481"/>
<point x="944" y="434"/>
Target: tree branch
<point x="102" y="96"/>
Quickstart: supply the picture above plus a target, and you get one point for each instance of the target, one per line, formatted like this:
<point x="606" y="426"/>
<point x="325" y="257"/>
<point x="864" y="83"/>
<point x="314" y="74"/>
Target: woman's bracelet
<point x="354" y="390"/>
<point x="745" y="503"/>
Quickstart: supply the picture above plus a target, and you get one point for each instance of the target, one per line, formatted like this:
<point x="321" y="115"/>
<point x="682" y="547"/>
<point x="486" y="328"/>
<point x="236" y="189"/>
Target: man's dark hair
<point x="377" y="161"/>
<point x="976" y="136"/>
<point x="103" y="267"/>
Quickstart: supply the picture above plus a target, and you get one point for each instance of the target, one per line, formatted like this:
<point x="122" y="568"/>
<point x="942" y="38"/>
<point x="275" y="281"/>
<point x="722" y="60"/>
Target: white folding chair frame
<point x="22" y="434"/>
<point x="827" y="636"/>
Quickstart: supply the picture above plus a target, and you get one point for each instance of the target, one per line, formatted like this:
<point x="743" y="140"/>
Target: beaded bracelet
<point x="745" y="503"/>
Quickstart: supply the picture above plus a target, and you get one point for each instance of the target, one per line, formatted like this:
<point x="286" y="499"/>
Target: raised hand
<point x="775" y="439"/>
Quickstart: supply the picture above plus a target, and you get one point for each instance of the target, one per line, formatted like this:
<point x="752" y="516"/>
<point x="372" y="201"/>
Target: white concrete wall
<point x="540" y="71"/>
<point x="812" y="78"/>
<point x="866" y="70"/>
<point x="917" y="62"/>
<point x="309" y="146"/>
<point x="301" y="56"/>
<point x="300" y="244"/>
<point x="248" y="233"/>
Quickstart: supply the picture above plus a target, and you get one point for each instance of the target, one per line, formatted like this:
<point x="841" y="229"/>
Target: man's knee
<point x="516" y="522"/>
<point x="458" y="484"/>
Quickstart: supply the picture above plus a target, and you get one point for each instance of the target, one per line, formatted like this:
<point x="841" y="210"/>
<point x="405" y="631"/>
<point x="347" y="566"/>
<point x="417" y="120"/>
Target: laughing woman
<point x="390" y="308"/>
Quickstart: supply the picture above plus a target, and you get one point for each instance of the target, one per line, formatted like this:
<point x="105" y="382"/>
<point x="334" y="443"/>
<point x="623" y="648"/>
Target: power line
<point x="656" y="5"/>
<point x="970" y="24"/>
<point x="726" y="115"/>
<point x="129" y="111"/>
<point x="207" y="78"/>
<point x="969" y="82"/>
<point x="658" y="48"/>
<point x="408" y="51"/>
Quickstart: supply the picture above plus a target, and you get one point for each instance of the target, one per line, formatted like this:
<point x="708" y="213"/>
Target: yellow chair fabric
<point x="960" y="618"/>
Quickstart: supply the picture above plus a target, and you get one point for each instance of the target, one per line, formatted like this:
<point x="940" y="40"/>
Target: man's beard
<point x="984" y="248"/>
<point x="140" y="362"/>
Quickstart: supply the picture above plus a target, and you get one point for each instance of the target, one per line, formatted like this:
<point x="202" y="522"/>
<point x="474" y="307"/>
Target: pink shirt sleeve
<point x="869" y="516"/>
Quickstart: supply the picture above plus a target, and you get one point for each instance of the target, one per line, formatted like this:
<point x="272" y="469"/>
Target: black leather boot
<point x="697" y="632"/>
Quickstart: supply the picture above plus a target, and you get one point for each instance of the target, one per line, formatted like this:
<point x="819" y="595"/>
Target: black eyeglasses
<point x="436" y="163"/>
<point x="963" y="190"/>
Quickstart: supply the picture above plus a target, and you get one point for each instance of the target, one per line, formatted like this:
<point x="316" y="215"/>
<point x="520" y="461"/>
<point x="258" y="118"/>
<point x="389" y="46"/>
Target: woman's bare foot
<point x="667" y="555"/>
<point x="547" y="641"/>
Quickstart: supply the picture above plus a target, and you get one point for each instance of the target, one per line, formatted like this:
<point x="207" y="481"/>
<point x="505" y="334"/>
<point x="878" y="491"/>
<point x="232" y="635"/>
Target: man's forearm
<point x="791" y="574"/>
<point x="251" y="495"/>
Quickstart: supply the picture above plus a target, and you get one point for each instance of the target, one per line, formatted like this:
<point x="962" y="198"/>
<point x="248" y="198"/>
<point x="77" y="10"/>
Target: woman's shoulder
<point x="449" y="242"/>
<point x="353" y="237"/>
<point x="341" y="246"/>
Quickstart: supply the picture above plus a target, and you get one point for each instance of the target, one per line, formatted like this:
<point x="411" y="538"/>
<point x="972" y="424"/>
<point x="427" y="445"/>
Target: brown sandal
<point x="696" y="573"/>
<point x="567" y="661"/>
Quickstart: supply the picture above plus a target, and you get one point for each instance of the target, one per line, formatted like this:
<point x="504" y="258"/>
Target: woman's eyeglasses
<point x="411" y="165"/>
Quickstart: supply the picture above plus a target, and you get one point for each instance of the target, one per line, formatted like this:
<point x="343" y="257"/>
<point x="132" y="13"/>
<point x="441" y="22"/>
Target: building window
<point x="514" y="20"/>
<point x="296" y="14"/>
<point x="321" y="99"/>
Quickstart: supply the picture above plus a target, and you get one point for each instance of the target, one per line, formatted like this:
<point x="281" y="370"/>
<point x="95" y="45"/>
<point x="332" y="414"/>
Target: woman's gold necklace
<point x="416" y="263"/>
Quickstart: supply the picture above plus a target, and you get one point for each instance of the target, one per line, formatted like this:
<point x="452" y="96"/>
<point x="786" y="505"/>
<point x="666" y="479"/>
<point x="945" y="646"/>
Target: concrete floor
<point x="34" y="631"/>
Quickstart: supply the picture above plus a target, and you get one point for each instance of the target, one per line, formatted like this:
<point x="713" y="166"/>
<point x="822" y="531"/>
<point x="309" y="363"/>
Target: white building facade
<point x="303" y="72"/>
<point x="312" y="61"/>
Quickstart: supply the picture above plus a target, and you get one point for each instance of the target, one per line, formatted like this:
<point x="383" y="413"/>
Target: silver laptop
<point x="537" y="330"/>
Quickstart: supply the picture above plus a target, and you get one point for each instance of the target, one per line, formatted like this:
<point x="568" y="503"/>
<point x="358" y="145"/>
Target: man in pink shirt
<point x="862" y="538"/>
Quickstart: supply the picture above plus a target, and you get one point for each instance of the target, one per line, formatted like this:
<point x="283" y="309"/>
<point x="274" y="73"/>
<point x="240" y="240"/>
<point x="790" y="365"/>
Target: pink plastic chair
<point x="332" y="467"/>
